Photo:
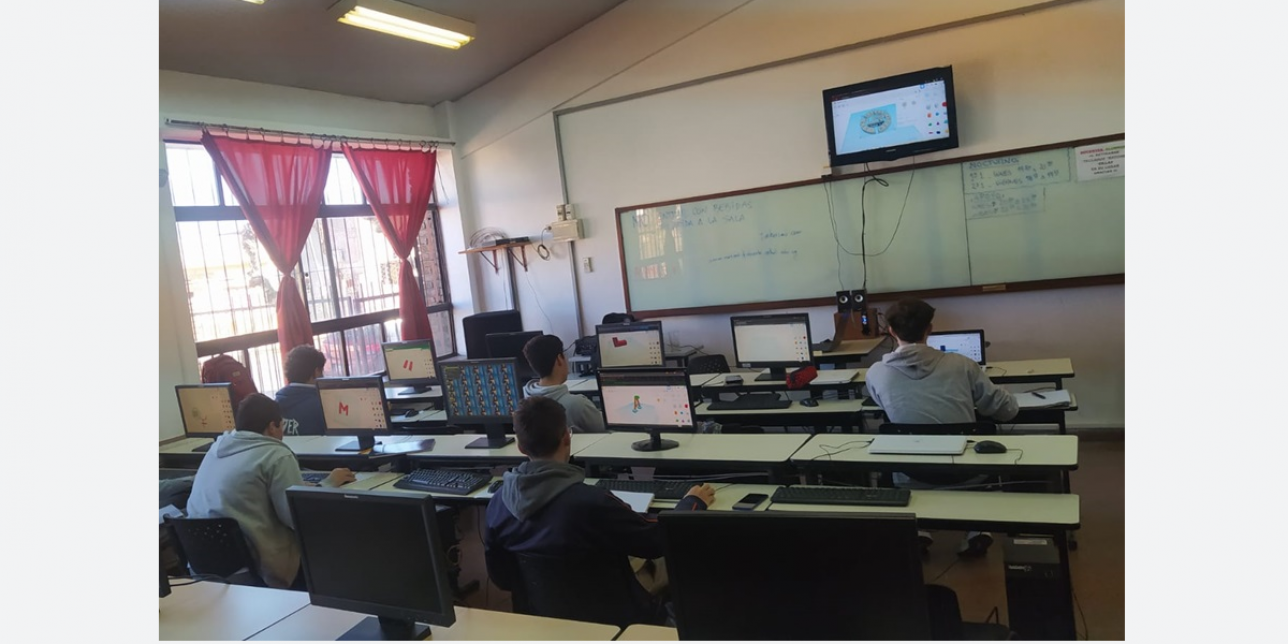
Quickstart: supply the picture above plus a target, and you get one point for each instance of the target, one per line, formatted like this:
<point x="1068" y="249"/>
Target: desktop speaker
<point x="843" y="302"/>
<point x="478" y="326"/>
<point x="853" y="300"/>
<point x="1039" y="597"/>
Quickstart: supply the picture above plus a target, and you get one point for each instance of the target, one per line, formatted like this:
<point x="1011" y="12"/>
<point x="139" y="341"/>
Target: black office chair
<point x="588" y="588"/>
<point x="215" y="547"/>
<point x="947" y="477"/>
<point x="713" y="363"/>
<point x="618" y="318"/>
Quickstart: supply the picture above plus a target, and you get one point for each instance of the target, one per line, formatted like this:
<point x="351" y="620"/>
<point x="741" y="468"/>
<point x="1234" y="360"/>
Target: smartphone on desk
<point x="750" y="501"/>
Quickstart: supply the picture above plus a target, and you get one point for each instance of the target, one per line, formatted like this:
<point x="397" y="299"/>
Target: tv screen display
<point x="891" y="118"/>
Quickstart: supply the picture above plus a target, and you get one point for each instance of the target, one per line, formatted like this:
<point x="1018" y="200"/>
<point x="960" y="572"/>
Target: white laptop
<point x="913" y="444"/>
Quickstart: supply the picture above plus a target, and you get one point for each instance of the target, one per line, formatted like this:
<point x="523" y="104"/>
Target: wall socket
<point x="586" y="266"/>
<point x="564" y="211"/>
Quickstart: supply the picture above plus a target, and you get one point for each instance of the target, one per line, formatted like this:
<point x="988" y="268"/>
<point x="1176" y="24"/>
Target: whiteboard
<point x="1004" y="219"/>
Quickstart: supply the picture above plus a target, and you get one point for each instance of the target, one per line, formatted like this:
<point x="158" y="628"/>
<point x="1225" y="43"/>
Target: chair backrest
<point x="618" y="318"/>
<point x="215" y="547"/>
<point x="978" y="428"/>
<point x="714" y="363"/>
<point x="587" y="588"/>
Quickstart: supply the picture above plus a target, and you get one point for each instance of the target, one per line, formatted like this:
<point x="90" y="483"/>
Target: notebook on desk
<point x="914" y="444"/>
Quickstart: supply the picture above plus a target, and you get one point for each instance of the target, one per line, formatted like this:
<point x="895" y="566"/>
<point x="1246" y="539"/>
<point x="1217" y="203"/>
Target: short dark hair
<point x="256" y="412"/>
<point x="302" y="362"/>
<point x="539" y="425"/>
<point x="541" y="352"/>
<point x="909" y="318"/>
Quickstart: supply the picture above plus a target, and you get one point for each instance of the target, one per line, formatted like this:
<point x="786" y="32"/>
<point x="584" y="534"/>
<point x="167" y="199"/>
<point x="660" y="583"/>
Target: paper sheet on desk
<point x="1057" y="398"/>
<point x="639" y="501"/>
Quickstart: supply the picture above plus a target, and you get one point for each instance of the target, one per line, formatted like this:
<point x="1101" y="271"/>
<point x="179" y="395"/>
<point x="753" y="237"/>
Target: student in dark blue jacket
<point x="544" y="507"/>
<point x="300" y="401"/>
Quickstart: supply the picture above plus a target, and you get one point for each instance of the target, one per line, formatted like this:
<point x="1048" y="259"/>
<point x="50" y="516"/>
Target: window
<point x="348" y="274"/>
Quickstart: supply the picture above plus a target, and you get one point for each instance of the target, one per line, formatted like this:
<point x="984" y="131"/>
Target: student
<point x="919" y="384"/>
<point x="545" y="354"/>
<point x="244" y="476"/>
<point x="300" y="401"/>
<point x="544" y="507"/>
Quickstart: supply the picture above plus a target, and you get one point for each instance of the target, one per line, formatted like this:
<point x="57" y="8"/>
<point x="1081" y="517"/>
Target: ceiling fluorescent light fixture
<point x="407" y="21"/>
<point x="255" y="1"/>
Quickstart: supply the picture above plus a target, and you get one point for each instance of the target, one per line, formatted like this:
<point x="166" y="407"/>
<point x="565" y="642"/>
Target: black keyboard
<point x="673" y="490"/>
<point x="821" y="495"/>
<point x="314" y="477"/>
<point x="443" y="481"/>
<point x="750" y="401"/>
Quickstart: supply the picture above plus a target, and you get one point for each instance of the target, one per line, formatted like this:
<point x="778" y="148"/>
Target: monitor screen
<point x="771" y="340"/>
<point x="800" y="576"/>
<point x="646" y="399"/>
<point x="633" y="344"/>
<point x="207" y="410"/>
<point x="891" y="118"/>
<point x="410" y="362"/>
<point x="510" y="345"/>
<point x="967" y="343"/>
<point x="353" y="406"/>
<point x="378" y="553"/>
<point x="480" y="391"/>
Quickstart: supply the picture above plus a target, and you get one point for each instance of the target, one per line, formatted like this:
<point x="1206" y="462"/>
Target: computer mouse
<point x="990" y="447"/>
<point x="496" y="485"/>
<point x="809" y="402"/>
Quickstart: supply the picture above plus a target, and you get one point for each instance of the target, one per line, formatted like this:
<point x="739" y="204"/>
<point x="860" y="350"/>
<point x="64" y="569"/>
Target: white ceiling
<point x="295" y="43"/>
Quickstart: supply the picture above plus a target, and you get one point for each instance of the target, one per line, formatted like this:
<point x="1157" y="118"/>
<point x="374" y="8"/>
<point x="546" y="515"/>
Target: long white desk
<point x="213" y="611"/>
<point x="589" y="385"/>
<point x="649" y="633"/>
<point x="769" y="453"/>
<point x="316" y="623"/>
<point x="1037" y="451"/>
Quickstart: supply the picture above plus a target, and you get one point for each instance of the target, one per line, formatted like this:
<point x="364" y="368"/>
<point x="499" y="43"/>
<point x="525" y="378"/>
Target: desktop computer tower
<point x="479" y="325"/>
<point x="1039" y="598"/>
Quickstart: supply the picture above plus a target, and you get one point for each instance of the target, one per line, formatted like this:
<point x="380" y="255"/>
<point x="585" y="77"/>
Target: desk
<point x="648" y="633"/>
<point x="763" y="452"/>
<point x="1053" y="370"/>
<point x="314" y="452"/>
<point x="213" y="611"/>
<point x="316" y="623"/>
<point x="1027" y="453"/>
<point x="589" y="386"/>
<point x="838" y="379"/>
<point x="451" y="450"/>
<point x="850" y="351"/>
<point x="842" y="411"/>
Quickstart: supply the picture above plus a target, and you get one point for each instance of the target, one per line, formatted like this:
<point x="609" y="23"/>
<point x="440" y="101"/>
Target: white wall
<point x="1049" y="75"/>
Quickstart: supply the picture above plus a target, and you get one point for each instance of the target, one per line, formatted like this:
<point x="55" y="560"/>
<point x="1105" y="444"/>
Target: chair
<point x="618" y="318"/>
<point x="714" y="363"/>
<point x="215" y="547"/>
<point x="588" y="588"/>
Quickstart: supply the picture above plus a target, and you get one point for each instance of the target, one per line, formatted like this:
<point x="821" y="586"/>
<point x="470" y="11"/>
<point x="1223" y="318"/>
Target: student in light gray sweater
<point x="919" y="384"/>
<point x="244" y="476"/>
<point x="545" y="354"/>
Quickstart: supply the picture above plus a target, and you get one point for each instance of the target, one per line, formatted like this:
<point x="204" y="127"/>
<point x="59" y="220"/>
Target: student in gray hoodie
<point x="244" y="476"/>
<point x="919" y="384"/>
<point x="545" y="354"/>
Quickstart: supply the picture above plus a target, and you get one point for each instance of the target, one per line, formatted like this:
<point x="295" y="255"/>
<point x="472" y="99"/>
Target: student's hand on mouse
<point x="704" y="492"/>
<point x="339" y="476"/>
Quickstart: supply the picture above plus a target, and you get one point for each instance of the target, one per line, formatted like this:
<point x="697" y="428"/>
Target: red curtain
<point x="398" y="184"/>
<point x="279" y="186"/>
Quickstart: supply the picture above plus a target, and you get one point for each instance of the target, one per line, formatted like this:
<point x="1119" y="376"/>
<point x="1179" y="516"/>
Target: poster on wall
<point x="1100" y="161"/>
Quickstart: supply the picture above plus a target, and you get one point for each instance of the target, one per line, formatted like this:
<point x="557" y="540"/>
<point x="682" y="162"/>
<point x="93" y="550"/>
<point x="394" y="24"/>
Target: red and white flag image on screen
<point x="618" y="342"/>
<point x="344" y="409"/>
<point x="408" y="364"/>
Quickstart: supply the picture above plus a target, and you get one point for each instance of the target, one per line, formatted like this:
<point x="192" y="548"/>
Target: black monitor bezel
<point x="983" y="346"/>
<point x="425" y="502"/>
<point x="478" y="420"/>
<point x="884" y="84"/>
<point x="521" y="360"/>
<point x="626" y="327"/>
<point x="409" y="382"/>
<point x="364" y="382"/>
<point x="206" y="385"/>
<point x="776" y="318"/>
<point x="682" y="375"/>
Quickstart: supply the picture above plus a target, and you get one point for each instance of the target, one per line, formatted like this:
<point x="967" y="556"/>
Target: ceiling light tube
<point x="406" y="21"/>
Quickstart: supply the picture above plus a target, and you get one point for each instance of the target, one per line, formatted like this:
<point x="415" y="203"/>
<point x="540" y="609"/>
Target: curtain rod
<point x="324" y="137"/>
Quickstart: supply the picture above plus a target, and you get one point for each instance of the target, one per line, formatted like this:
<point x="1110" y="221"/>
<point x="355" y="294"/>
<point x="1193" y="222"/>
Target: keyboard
<point x="821" y="495"/>
<point x="673" y="490"/>
<point x="314" y="477"/>
<point x="750" y="401"/>
<point x="443" y="481"/>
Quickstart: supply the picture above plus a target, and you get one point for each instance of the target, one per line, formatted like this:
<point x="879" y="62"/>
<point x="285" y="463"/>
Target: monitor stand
<point x="495" y="438"/>
<point x="777" y="374"/>
<point x="654" y="443"/>
<point x="363" y="443"/>
<point x="376" y="629"/>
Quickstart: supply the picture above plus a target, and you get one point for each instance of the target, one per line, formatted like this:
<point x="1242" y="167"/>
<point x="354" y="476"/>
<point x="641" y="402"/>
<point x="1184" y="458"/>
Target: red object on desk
<point x="801" y="377"/>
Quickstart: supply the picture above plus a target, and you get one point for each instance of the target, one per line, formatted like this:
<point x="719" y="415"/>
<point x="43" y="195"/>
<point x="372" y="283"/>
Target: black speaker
<point x="1039" y="597"/>
<point x="843" y="302"/>
<point x="479" y="325"/>
<point x="853" y="300"/>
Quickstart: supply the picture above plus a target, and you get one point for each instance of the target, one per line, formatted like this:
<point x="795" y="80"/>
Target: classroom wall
<point x="1052" y="74"/>
<point x="216" y="100"/>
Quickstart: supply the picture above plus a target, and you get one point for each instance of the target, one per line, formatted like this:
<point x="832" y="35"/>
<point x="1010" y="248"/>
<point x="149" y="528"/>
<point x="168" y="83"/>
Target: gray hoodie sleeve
<point x="993" y="401"/>
<point x="284" y="471"/>
<point x="584" y="416"/>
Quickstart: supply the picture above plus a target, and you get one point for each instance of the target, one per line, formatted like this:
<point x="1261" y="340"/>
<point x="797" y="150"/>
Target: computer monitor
<point x="797" y="576"/>
<point x="410" y="363"/>
<point x="354" y="407"/>
<point x="482" y="392"/>
<point x="207" y="410"/>
<point x="968" y="343"/>
<point x="647" y="399"/>
<point x="377" y="553"/>
<point x="773" y="341"/>
<point x="630" y="344"/>
<point x="510" y="345"/>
